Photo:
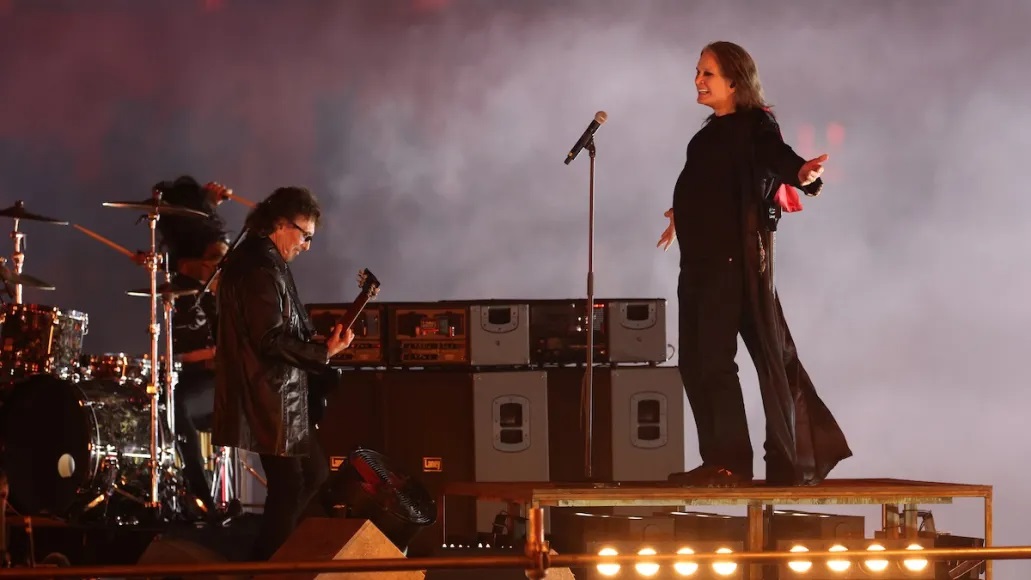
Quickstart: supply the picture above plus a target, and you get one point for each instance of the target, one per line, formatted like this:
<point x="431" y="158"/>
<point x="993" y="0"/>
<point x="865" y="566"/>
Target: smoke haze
<point x="433" y="133"/>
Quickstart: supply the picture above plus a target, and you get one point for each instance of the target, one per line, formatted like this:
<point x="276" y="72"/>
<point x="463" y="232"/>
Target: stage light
<point x="724" y="568"/>
<point x="608" y="569"/>
<point x="646" y="568"/>
<point x="799" y="566"/>
<point x="685" y="568"/>
<point x="866" y="554"/>
<point x="914" y="564"/>
<point x="838" y="565"/>
<point x="875" y="565"/>
<point x="683" y="565"/>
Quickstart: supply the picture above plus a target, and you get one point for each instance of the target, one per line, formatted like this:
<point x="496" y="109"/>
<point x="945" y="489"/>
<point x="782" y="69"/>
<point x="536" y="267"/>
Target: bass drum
<point x="65" y="444"/>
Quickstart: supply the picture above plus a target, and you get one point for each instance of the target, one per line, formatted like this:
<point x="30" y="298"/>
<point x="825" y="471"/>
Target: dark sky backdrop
<point x="433" y="132"/>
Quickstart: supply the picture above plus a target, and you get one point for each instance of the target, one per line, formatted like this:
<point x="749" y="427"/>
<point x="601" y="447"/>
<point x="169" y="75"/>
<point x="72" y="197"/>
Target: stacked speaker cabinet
<point x="648" y="407"/>
<point x="499" y="335"/>
<point x="637" y="331"/>
<point x="510" y="425"/>
<point x="421" y="420"/>
<point x="428" y="431"/>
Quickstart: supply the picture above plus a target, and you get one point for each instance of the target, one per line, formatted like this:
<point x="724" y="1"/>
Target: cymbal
<point x="17" y="211"/>
<point x="166" y="289"/>
<point x="25" y="280"/>
<point x="158" y="206"/>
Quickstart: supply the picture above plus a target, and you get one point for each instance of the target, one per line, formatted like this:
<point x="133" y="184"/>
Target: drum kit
<point x="91" y="437"/>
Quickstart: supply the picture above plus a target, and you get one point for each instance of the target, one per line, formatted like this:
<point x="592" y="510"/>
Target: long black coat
<point x="798" y="422"/>
<point x="263" y="355"/>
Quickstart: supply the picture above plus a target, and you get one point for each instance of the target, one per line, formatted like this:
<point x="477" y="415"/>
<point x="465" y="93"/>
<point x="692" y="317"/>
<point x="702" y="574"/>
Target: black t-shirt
<point x="190" y="236"/>
<point x="707" y="196"/>
<point x="193" y="328"/>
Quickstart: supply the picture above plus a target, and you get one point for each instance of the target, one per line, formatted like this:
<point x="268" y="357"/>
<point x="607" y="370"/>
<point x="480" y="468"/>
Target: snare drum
<point x="123" y="369"/>
<point x="117" y="367"/>
<point x="37" y="339"/>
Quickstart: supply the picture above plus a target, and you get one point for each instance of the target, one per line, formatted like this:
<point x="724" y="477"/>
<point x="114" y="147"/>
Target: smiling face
<point x="293" y="236"/>
<point x="714" y="90"/>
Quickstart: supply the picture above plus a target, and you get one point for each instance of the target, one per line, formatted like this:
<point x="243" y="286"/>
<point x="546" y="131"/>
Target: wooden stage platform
<point x="895" y="496"/>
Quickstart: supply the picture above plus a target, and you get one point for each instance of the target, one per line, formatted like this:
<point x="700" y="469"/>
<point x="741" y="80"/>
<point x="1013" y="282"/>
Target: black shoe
<point x="780" y="476"/>
<point x="709" y="476"/>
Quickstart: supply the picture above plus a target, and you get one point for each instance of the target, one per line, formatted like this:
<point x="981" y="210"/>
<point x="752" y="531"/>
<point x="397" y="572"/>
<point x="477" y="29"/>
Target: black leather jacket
<point x="263" y="355"/>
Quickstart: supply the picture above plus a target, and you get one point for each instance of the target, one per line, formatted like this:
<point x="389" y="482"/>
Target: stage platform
<point x="890" y="494"/>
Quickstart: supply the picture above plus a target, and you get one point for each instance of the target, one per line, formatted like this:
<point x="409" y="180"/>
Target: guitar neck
<point x="354" y="310"/>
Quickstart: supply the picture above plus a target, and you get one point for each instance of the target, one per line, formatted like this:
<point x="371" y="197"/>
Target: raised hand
<point x="811" y="170"/>
<point x="669" y="235"/>
<point x="218" y="192"/>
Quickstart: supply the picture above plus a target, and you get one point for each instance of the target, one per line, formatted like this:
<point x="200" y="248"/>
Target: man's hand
<point x="812" y="170"/>
<point x="217" y="192"/>
<point x="339" y="340"/>
<point x="670" y="235"/>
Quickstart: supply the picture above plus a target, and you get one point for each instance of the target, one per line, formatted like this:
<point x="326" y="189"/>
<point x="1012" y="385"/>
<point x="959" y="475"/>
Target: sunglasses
<point x="307" y="237"/>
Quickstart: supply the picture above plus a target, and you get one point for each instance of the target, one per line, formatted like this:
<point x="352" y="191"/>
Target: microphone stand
<point x="587" y="390"/>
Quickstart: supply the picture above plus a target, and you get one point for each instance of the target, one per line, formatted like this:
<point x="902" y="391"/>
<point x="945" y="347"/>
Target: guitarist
<point x="264" y="353"/>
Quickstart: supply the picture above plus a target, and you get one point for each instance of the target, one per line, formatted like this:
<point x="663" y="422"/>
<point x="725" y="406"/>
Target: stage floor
<point x="661" y="493"/>
<point x="890" y="494"/>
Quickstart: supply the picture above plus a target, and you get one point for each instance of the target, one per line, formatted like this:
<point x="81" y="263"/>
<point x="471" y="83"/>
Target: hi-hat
<point x="156" y="206"/>
<point x="170" y="289"/>
<point x="17" y="211"/>
<point x="24" y="280"/>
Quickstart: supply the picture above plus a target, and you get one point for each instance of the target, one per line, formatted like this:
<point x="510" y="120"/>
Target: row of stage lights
<point x="869" y="565"/>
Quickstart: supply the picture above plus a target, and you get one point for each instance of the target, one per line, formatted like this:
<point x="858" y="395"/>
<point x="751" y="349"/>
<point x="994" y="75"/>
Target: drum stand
<point x="168" y="302"/>
<point x="18" y="257"/>
<point x="229" y="467"/>
<point x="154" y="329"/>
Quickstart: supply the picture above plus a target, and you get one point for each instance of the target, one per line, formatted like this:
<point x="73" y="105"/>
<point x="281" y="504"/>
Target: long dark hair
<point x="284" y="203"/>
<point x="738" y="67"/>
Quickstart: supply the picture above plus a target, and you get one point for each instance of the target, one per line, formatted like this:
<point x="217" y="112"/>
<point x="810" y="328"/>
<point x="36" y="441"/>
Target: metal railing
<point x="535" y="561"/>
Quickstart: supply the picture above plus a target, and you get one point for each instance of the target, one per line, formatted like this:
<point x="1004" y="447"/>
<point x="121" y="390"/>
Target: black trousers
<point x="713" y="311"/>
<point x="194" y="408"/>
<point x="292" y="483"/>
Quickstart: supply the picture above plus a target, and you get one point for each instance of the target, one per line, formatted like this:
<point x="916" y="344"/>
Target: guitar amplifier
<point x="367" y="348"/>
<point x="429" y="334"/>
<point x="558" y="332"/>
<point x="637" y="330"/>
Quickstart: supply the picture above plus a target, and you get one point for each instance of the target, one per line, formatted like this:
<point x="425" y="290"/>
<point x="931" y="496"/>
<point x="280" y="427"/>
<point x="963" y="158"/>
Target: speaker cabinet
<point x="428" y="432"/>
<point x="648" y="406"/>
<point x="510" y="420"/>
<point x="499" y="335"/>
<point x="354" y="413"/>
<point x="637" y="331"/>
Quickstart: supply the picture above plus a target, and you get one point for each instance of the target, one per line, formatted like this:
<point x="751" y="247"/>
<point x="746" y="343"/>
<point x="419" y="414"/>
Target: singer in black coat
<point x="726" y="205"/>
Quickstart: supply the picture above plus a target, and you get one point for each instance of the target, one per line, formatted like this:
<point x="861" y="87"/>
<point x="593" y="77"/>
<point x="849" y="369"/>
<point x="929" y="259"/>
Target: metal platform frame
<point x="890" y="494"/>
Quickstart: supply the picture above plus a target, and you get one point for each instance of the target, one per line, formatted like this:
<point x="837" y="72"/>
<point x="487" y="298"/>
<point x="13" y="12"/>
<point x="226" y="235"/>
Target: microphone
<point x="599" y="118"/>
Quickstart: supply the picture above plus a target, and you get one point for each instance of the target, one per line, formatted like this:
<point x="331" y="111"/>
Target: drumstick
<point x="241" y="200"/>
<point x="105" y="241"/>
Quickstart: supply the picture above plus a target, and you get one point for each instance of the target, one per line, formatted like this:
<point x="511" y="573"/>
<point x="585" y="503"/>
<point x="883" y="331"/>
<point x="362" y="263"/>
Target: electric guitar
<point x="319" y="385"/>
<point x="369" y="285"/>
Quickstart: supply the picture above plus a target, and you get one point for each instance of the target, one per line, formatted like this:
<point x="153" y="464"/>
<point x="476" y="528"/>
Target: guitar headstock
<point x="368" y="282"/>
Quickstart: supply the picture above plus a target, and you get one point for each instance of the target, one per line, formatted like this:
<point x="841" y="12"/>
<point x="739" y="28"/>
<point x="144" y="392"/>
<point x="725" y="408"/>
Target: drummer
<point x="195" y="246"/>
